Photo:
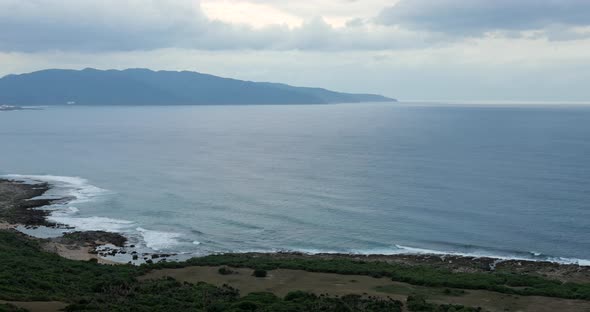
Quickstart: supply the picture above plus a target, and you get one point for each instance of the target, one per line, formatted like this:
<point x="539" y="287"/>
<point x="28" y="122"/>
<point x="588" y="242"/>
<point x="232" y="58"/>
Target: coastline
<point x="78" y="257"/>
<point x="19" y="203"/>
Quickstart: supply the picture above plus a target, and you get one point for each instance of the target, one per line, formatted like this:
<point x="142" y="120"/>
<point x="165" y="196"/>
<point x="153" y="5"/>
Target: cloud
<point x="143" y="25"/>
<point x="31" y="25"/>
<point x="112" y="25"/>
<point x="476" y="17"/>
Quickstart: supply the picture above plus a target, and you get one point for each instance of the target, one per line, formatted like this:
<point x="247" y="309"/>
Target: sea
<point x="509" y="181"/>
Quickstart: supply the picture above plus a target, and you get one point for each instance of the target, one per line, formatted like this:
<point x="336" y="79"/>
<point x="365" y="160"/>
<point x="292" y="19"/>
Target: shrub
<point x="225" y="271"/>
<point x="299" y="295"/>
<point x="259" y="273"/>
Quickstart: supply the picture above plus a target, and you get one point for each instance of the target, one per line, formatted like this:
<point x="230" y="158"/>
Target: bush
<point x="259" y="273"/>
<point x="454" y="292"/>
<point x="245" y="306"/>
<point x="299" y="295"/>
<point x="225" y="271"/>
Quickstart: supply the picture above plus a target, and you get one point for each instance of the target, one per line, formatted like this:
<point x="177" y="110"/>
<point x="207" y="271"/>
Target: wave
<point x="73" y="190"/>
<point x="522" y="256"/>
<point x="78" y="190"/>
<point x="157" y="240"/>
<point x="94" y="223"/>
<point x="406" y="250"/>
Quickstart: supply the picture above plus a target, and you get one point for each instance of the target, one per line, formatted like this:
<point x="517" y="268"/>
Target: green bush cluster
<point x="225" y="271"/>
<point x="259" y="273"/>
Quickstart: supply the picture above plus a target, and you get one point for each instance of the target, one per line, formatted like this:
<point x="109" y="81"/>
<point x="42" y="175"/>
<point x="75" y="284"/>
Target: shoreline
<point x="18" y="203"/>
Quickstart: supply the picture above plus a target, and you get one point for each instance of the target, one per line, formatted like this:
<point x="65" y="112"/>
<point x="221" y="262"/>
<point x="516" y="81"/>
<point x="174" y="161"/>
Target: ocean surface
<point x="497" y="180"/>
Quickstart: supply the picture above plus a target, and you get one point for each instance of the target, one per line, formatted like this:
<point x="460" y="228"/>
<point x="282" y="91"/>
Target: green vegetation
<point x="404" y="289"/>
<point x="225" y="271"/>
<point x="49" y="276"/>
<point x="170" y="295"/>
<point x="509" y="283"/>
<point x="88" y="286"/>
<point x="454" y="292"/>
<point x="259" y="273"/>
<point x="28" y="274"/>
<point x="10" y="308"/>
<point x="418" y="303"/>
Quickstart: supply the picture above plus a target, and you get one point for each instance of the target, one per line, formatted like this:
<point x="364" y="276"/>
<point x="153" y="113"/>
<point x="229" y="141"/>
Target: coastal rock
<point x="92" y="237"/>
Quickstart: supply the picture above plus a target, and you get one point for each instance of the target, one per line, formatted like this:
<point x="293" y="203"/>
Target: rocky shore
<point x="18" y="205"/>
<point x="553" y="270"/>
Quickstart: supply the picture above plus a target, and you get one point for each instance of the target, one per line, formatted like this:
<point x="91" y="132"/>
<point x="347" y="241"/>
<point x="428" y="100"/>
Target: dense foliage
<point x="509" y="283"/>
<point x="28" y="274"/>
<point x="10" y="308"/>
<point x="259" y="273"/>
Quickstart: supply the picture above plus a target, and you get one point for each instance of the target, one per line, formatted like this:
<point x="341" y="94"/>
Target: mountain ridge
<point x="140" y="86"/>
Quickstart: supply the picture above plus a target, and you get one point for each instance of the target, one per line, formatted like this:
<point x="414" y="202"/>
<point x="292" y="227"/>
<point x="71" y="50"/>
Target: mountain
<point x="147" y="87"/>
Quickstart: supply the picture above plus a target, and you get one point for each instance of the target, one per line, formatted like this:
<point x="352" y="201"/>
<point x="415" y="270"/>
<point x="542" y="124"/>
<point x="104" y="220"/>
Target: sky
<point x="460" y="50"/>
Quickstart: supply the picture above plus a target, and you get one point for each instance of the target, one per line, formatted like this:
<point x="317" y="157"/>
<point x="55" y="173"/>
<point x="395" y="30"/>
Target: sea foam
<point x="157" y="240"/>
<point x="75" y="190"/>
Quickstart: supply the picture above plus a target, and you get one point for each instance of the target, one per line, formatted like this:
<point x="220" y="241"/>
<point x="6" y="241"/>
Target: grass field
<point x="421" y="275"/>
<point x="283" y="281"/>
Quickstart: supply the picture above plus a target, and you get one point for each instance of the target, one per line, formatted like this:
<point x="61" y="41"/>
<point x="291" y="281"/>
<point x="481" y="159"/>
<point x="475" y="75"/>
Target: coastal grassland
<point x="29" y="274"/>
<point x="164" y="294"/>
<point x="502" y="282"/>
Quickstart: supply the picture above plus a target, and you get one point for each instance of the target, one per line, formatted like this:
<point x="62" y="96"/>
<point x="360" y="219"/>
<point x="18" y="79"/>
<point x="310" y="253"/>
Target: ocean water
<point x="508" y="181"/>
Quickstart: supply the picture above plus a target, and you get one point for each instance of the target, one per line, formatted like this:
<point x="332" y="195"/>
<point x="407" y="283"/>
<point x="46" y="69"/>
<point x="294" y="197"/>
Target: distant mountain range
<point x="147" y="87"/>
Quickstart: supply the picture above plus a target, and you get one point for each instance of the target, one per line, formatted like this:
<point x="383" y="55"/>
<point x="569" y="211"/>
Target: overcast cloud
<point x="476" y="17"/>
<point x="412" y="49"/>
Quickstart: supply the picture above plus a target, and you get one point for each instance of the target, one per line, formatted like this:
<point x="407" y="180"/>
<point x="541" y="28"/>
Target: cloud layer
<point x="476" y="17"/>
<point x="110" y="25"/>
